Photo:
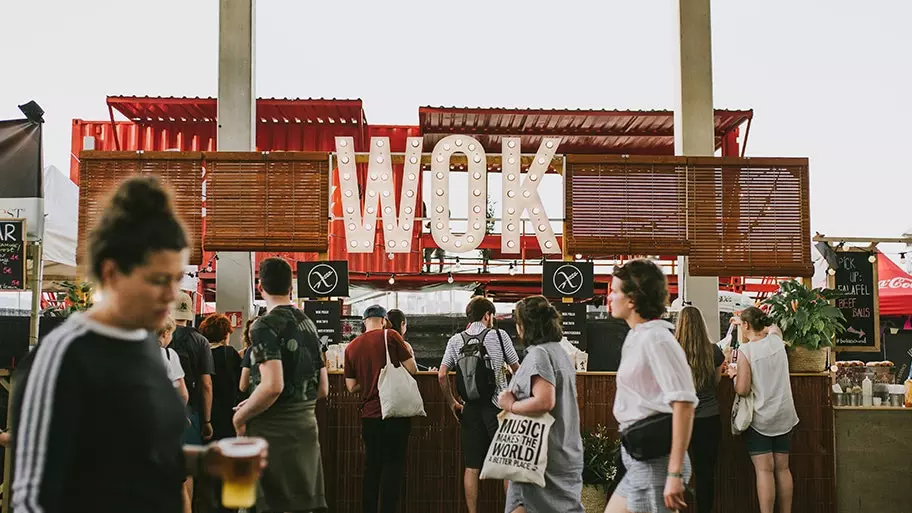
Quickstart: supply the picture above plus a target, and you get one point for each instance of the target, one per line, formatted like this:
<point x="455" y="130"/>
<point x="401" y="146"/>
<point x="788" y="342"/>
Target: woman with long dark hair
<point x="398" y="322"/>
<point x="653" y="382"/>
<point x="762" y="369"/>
<point x="706" y="361"/>
<point x="244" y="383"/>
<point x="98" y="423"/>
<point x="546" y="383"/>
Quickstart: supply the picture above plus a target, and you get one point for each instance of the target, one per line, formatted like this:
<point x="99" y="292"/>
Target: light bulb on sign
<point x="450" y="278"/>
<point x="390" y="256"/>
<point x="392" y="280"/>
<point x="579" y="256"/>
<point x="512" y="270"/>
<point x="902" y="258"/>
<point x="458" y="266"/>
<point x="872" y="259"/>
<point x="831" y="271"/>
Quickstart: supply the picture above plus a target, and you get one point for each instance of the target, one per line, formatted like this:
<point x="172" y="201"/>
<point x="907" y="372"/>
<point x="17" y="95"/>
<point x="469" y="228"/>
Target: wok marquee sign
<point x="520" y="194"/>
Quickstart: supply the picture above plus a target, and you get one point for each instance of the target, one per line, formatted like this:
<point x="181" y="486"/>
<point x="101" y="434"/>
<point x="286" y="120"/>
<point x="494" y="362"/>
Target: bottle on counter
<point x="908" y="401"/>
<point x="867" y="392"/>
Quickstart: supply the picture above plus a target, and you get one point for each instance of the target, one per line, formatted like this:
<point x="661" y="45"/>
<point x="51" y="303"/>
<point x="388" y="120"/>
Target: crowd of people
<point x="117" y="410"/>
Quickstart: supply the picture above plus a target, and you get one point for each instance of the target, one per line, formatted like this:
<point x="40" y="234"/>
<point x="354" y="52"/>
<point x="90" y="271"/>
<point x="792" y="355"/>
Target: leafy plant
<point x="599" y="448"/>
<point x="78" y="299"/>
<point x="806" y="316"/>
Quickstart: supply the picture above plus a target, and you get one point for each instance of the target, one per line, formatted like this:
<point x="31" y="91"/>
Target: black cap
<point x="374" y="311"/>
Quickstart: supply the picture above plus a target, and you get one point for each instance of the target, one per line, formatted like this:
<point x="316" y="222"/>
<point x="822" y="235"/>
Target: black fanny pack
<point x="649" y="438"/>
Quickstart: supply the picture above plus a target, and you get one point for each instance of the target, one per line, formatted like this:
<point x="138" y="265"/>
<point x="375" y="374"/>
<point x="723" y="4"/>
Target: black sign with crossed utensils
<point x="568" y="279"/>
<point x="323" y="279"/>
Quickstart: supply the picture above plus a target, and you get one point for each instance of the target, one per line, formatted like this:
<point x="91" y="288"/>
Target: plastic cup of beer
<point x="241" y="460"/>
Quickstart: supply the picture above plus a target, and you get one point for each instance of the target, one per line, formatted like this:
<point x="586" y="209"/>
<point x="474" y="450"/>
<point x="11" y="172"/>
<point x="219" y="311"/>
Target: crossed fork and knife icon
<point x="568" y="279"/>
<point x="322" y="279"/>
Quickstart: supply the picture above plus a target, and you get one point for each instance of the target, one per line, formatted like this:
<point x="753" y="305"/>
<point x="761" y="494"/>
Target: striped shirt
<point x="98" y="424"/>
<point x="492" y="344"/>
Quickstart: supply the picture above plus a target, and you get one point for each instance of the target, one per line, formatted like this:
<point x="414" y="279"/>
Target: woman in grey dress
<point x="546" y="383"/>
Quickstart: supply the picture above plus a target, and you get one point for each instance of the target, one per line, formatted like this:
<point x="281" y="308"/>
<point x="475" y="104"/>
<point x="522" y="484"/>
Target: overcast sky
<point x="828" y="80"/>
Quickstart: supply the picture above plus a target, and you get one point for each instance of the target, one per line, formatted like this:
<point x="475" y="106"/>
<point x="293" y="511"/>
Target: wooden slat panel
<point x="623" y="206"/>
<point x="732" y="216"/>
<point x="434" y="467"/>
<point x="267" y="202"/>
<point x="749" y="217"/>
<point x="102" y="171"/>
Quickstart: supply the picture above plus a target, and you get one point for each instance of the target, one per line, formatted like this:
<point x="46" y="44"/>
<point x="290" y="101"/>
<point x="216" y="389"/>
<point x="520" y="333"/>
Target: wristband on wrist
<point x="676" y="475"/>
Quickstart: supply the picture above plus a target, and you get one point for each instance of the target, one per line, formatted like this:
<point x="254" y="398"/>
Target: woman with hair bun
<point x="546" y="383"/>
<point x="98" y="423"/>
<point x="762" y="367"/>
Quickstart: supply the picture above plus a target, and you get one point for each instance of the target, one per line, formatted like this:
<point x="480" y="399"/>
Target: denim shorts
<point x="762" y="444"/>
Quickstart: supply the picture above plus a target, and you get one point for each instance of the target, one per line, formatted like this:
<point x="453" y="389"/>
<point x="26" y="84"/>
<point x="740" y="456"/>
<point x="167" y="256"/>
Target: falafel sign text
<point x="519" y="195"/>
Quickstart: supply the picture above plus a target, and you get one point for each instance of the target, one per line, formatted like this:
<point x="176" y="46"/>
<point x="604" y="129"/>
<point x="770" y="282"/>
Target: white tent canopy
<point x="61" y="226"/>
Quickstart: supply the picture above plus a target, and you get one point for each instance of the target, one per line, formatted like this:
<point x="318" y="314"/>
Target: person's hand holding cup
<point x="239" y="463"/>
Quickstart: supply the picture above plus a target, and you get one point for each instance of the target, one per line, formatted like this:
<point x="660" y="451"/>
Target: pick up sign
<point x="856" y="280"/>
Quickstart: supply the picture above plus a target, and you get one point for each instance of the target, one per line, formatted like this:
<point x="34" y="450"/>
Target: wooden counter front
<point x="434" y="469"/>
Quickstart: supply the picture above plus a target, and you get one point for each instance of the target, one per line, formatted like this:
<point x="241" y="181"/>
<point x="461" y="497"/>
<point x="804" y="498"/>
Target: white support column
<point x="236" y="132"/>
<point x="695" y="132"/>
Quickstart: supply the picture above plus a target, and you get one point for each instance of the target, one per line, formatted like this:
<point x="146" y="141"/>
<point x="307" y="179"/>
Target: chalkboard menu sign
<point x="856" y="280"/>
<point x="573" y="318"/>
<point x="12" y="254"/>
<point x="327" y="316"/>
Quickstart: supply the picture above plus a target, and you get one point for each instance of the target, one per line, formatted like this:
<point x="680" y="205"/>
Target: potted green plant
<point x="809" y="323"/>
<point x="78" y="299"/>
<point x="599" y="469"/>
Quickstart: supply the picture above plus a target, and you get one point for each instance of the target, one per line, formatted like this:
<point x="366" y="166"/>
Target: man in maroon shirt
<point x="385" y="440"/>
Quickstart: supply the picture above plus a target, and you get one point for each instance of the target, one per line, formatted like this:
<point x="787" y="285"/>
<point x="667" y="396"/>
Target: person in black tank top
<point x="96" y="422"/>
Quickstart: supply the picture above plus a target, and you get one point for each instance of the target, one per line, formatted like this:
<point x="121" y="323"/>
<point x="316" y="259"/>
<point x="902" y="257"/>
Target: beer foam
<point x="241" y="447"/>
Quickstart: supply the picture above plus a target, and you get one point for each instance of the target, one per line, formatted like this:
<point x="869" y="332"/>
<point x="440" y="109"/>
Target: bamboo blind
<point x="267" y="202"/>
<point x="100" y="172"/>
<point x="732" y="216"/>
<point x="749" y="217"/>
<point x="617" y="205"/>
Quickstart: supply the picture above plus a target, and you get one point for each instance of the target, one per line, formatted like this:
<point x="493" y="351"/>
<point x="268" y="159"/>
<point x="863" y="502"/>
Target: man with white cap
<point x="196" y="360"/>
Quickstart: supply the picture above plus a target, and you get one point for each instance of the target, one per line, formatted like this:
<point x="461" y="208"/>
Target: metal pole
<point x="234" y="272"/>
<point x="35" y="286"/>
<point x="695" y="132"/>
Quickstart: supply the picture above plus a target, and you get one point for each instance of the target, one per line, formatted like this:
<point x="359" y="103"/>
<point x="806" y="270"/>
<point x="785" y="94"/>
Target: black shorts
<point x="761" y="444"/>
<point x="478" y="425"/>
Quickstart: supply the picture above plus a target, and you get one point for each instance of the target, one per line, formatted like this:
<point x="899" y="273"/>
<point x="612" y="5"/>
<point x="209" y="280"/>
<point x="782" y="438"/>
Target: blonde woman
<point x="706" y="362"/>
<point x="172" y="361"/>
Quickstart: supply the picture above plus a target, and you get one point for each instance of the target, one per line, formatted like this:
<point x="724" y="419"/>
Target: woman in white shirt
<point x="172" y="361"/>
<point x="762" y="367"/>
<point x="653" y="380"/>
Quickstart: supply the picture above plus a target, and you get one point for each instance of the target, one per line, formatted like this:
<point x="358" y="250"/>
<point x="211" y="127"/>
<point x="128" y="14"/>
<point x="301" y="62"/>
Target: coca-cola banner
<point x="895" y="288"/>
<point x="20" y="159"/>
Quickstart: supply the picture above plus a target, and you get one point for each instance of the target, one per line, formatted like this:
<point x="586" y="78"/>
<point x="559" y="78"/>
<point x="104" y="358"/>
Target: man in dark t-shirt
<point x="385" y="440"/>
<point x="196" y="360"/>
<point x="287" y="377"/>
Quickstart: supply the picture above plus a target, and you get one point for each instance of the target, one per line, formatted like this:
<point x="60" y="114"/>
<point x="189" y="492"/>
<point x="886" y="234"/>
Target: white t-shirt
<point x="172" y="365"/>
<point x="653" y="374"/>
<point x="774" y="408"/>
